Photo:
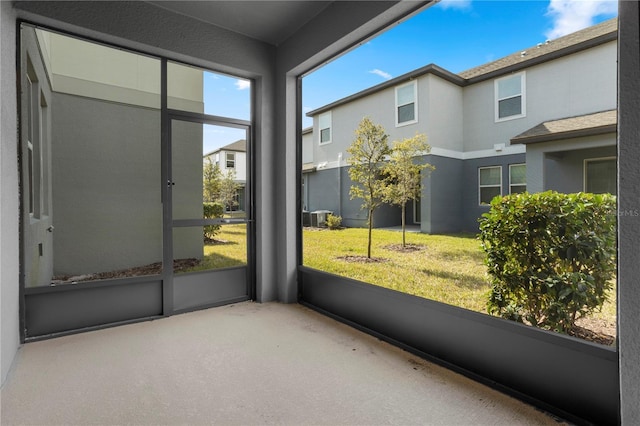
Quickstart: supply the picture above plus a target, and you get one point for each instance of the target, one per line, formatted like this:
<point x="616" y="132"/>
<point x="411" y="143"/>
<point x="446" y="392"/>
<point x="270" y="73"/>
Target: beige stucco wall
<point x="89" y="69"/>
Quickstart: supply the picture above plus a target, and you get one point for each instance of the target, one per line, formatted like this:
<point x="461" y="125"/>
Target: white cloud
<point x="573" y="15"/>
<point x="243" y="84"/>
<point x="455" y="4"/>
<point x="381" y="73"/>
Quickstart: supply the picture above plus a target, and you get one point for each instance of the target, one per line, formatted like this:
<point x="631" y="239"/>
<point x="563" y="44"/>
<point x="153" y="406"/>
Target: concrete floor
<point x="244" y="364"/>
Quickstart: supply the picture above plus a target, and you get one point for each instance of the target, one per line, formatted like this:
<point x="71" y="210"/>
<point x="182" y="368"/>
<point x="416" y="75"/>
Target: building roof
<point x="429" y="69"/>
<point x="580" y="40"/>
<point x="239" y="146"/>
<point x="572" y="127"/>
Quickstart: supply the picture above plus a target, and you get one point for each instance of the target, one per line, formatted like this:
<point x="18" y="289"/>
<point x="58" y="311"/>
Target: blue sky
<point x="228" y="97"/>
<point x="454" y="34"/>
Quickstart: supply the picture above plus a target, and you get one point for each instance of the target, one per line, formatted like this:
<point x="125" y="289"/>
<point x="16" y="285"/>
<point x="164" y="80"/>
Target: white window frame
<point x="523" y="97"/>
<point x="480" y="185"/>
<point x="325" y="116"/>
<point x="516" y="184"/>
<point x="584" y="168"/>
<point x="415" y="103"/>
<point x="226" y="160"/>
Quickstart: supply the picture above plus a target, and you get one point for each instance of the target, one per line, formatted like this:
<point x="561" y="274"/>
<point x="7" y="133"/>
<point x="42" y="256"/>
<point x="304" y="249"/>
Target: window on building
<point x="406" y="107"/>
<point x="510" y="97"/>
<point x="517" y="178"/>
<point x="324" y="127"/>
<point x="490" y="183"/>
<point x="600" y="175"/>
<point x="231" y="160"/>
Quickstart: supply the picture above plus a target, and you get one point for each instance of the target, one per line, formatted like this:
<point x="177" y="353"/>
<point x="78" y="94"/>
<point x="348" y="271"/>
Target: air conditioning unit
<point x="319" y="218"/>
<point x="306" y="218"/>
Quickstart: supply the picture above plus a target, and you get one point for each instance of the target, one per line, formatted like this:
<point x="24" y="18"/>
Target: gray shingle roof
<point x="239" y="146"/>
<point x="583" y="125"/>
<point x="601" y="32"/>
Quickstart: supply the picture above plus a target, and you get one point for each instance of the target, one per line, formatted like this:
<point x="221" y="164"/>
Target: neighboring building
<point x="87" y="112"/>
<point x="232" y="157"/>
<point x="307" y="164"/>
<point x="542" y="118"/>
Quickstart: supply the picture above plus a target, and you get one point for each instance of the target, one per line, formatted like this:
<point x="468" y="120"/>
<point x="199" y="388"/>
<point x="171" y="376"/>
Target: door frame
<point x="53" y="311"/>
<point x="168" y="277"/>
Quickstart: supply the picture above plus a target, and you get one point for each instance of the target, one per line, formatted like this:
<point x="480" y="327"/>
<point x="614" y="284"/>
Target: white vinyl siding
<point x="510" y="97"/>
<point x="490" y="183"/>
<point x="324" y="127"/>
<point x="406" y="104"/>
<point x="517" y="178"/>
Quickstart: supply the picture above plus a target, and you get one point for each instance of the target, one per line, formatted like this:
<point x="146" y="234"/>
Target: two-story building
<point x="232" y="158"/>
<point x="540" y="119"/>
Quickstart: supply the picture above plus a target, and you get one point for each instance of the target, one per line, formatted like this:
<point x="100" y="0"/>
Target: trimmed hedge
<point x="551" y="257"/>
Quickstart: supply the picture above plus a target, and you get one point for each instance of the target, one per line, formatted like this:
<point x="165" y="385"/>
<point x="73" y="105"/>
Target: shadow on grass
<point x="466" y="236"/>
<point x="212" y="262"/>
<point x="461" y="280"/>
<point x="216" y="243"/>
<point x="243" y="232"/>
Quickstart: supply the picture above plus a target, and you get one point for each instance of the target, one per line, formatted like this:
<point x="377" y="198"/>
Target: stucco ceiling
<point x="269" y="21"/>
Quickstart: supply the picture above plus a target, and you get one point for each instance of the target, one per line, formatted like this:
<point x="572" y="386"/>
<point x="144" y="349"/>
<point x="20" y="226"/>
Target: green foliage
<point x="551" y="257"/>
<point x="228" y="195"/>
<point x="219" y="187"/>
<point x="211" y="181"/>
<point x="334" y="222"/>
<point x="403" y="174"/>
<point x="212" y="211"/>
<point x="366" y="157"/>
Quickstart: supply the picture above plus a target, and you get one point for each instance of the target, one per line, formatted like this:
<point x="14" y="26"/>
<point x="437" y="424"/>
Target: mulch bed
<point x="592" y="336"/>
<point x="213" y="241"/>
<point x="408" y="248"/>
<point x="179" y="265"/>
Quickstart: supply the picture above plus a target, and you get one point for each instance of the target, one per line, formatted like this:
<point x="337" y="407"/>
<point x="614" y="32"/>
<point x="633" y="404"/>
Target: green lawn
<point x="229" y="249"/>
<point x="449" y="268"/>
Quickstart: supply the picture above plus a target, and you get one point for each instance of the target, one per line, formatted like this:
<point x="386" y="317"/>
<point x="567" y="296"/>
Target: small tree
<point x="211" y="181"/>
<point x="367" y="156"/>
<point x="228" y="195"/>
<point x="550" y="256"/>
<point x="404" y="180"/>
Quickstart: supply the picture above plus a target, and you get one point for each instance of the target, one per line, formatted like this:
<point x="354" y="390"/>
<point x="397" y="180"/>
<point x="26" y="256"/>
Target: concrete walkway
<point x="244" y="364"/>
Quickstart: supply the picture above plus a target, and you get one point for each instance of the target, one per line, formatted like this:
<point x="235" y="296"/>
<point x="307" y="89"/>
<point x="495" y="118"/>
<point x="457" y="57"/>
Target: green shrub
<point x="212" y="211"/>
<point x="550" y="256"/>
<point x="334" y="222"/>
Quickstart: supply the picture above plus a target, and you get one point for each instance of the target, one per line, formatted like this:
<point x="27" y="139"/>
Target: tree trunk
<point x="404" y="228"/>
<point x="370" y="227"/>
